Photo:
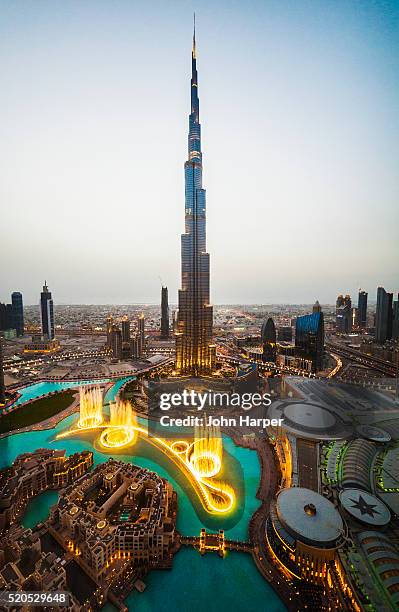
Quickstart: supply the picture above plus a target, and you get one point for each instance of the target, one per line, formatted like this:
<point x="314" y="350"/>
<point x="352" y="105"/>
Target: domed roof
<point x="309" y="517"/>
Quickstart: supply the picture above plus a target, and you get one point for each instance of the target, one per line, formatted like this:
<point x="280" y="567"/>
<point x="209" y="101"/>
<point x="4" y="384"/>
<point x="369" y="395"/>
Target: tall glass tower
<point x="47" y="313"/>
<point x="195" y="353"/>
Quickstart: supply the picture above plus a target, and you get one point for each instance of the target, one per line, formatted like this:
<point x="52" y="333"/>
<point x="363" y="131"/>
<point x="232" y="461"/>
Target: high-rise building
<point x="47" y="313"/>
<point x="316" y="306"/>
<point x="383" y="316"/>
<point x="125" y="329"/>
<point x="116" y="342"/>
<point x="362" y="308"/>
<point x="2" y="385"/>
<point x="136" y="347"/>
<point x="109" y="325"/>
<point x="9" y="317"/>
<point x="395" y="319"/>
<point x="164" y="313"/>
<point x="141" y="331"/>
<point x="309" y="339"/>
<point x="284" y="333"/>
<point x="343" y="314"/>
<point x="3" y="316"/>
<point x="195" y="353"/>
<point x="18" y="312"/>
<point x="268" y="339"/>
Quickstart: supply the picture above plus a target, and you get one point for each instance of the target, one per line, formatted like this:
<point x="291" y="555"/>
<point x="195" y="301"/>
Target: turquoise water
<point x="195" y="582"/>
<point x="38" y="508"/>
<point x="209" y="583"/>
<point x="114" y="390"/>
<point x="43" y="388"/>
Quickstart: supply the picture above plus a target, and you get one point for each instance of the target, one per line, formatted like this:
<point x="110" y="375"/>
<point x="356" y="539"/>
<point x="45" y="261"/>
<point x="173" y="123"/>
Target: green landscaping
<point x="35" y="412"/>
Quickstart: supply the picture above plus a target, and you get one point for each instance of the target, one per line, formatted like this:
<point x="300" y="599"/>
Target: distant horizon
<point x="213" y="304"/>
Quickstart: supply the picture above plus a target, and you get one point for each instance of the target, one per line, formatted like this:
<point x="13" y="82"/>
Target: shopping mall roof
<point x="365" y="507"/>
<point x="309" y="517"/>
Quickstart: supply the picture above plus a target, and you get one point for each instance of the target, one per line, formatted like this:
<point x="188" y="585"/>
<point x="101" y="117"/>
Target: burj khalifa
<point x="195" y="353"/>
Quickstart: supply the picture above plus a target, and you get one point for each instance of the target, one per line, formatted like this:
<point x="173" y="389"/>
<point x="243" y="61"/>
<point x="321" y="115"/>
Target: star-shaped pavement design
<point x="364" y="507"/>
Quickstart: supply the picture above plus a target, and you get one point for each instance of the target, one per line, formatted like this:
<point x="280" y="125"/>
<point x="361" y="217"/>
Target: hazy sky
<point x="300" y="132"/>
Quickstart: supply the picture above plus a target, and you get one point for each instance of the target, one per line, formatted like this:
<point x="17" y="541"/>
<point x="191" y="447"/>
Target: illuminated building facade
<point x="195" y="353"/>
<point x="125" y="329"/>
<point x="119" y="515"/>
<point x="33" y="473"/>
<point x="309" y="339"/>
<point x="47" y="313"/>
<point x="303" y="532"/>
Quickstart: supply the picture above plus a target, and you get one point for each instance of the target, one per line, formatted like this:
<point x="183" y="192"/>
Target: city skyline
<point x="319" y="144"/>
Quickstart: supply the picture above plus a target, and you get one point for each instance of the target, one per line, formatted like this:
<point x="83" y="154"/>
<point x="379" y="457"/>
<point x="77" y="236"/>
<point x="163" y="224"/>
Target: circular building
<point x="303" y="532"/>
<point x="309" y="420"/>
<point x="365" y="507"/>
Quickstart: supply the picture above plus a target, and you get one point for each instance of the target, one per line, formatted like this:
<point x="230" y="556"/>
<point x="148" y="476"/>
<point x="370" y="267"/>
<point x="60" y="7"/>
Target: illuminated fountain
<point x="207" y="450"/>
<point x="91" y="407"/>
<point x="200" y="460"/>
<point x="122" y="429"/>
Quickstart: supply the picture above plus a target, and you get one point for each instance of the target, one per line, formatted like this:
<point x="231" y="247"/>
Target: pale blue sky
<point x="299" y="111"/>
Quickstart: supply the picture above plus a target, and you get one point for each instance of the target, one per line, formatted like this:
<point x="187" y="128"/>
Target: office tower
<point x="109" y="324"/>
<point x="116" y="342"/>
<point x="141" y="332"/>
<point x="2" y="385"/>
<point x="354" y="317"/>
<point x="268" y="339"/>
<point x="195" y="353"/>
<point x="18" y="312"/>
<point x="284" y="333"/>
<point x="136" y="347"/>
<point x="316" y="306"/>
<point x="3" y="316"/>
<point x="125" y="329"/>
<point x="47" y="313"/>
<point x="383" y="316"/>
<point x="164" y="313"/>
<point x="9" y="317"/>
<point x="395" y="319"/>
<point x="343" y="314"/>
<point x="309" y="339"/>
<point x="362" y="308"/>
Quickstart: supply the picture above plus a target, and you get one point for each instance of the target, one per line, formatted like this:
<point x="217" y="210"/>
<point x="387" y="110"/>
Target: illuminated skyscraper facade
<point x="195" y="353"/>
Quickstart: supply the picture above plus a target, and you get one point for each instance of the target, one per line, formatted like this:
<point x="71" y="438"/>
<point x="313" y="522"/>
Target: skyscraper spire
<point x="194" y="51"/>
<point x="195" y="353"/>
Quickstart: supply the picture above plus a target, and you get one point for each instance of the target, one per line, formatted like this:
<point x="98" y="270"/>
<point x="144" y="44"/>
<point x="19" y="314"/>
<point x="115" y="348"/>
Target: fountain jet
<point x="207" y="451"/>
<point x="91" y="407"/>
